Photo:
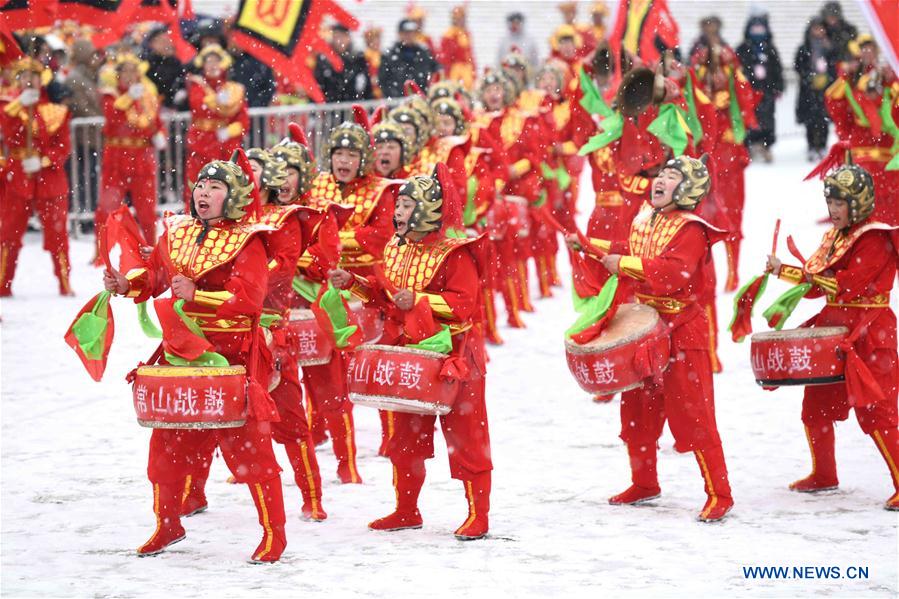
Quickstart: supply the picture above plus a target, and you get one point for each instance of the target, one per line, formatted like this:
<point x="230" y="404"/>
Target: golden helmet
<point x="497" y="78"/>
<point x="565" y="31"/>
<point x="298" y="157"/>
<point x="391" y="131"/>
<point x="352" y="136"/>
<point x="450" y="107"/>
<point x="428" y="196"/>
<point x="240" y="187"/>
<point x="420" y="105"/>
<point x="696" y="184"/>
<point x="853" y="184"/>
<point x="516" y="61"/>
<point x="442" y="89"/>
<point x="27" y="64"/>
<point x="216" y="50"/>
<point x="404" y="114"/>
<point x="274" y="170"/>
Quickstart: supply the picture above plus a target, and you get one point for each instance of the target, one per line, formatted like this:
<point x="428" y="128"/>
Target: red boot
<point x="408" y="483"/>
<point x="477" y="491"/>
<point x="166" y="506"/>
<point x="888" y="444"/>
<point x="824" y="463"/>
<point x="61" y="269"/>
<point x="714" y="473"/>
<point x="490" y="329"/>
<point x="600" y="398"/>
<point x="386" y="431"/>
<point x="510" y="297"/>
<point x="343" y="437"/>
<point x="643" y="476"/>
<point x="309" y="480"/>
<point x="193" y="500"/>
<point x="524" y="287"/>
<point x="269" y="500"/>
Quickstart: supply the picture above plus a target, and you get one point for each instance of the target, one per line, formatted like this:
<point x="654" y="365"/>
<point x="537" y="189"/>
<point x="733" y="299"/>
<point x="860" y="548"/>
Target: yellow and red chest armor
<point x="835" y="245"/>
<point x="413" y="265"/>
<point x="651" y="232"/>
<point x="362" y="194"/>
<point x="436" y="151"/>
<point x="222" y="243"/>
<point x="275" y="215"/>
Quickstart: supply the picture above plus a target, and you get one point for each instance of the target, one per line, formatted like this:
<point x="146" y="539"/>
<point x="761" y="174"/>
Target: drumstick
<point x="103" y="243"/>
<point x="588" y="247"/>
<point x="776" y="235"/>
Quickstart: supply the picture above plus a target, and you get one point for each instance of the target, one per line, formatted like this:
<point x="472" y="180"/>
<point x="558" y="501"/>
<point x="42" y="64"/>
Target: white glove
<point x="29" y="97"/>
<point x="222" y="97"/>
<point x="31" y="165"/>
<point x="136" y="91"/>
<point x="159" y="141"/>
<point x="223" y="135"/>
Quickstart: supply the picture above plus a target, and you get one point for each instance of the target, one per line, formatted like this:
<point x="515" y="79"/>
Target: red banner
<point x="883" y="18"/>
<point x="28" y="14"/>
<point x="284" y="33"/>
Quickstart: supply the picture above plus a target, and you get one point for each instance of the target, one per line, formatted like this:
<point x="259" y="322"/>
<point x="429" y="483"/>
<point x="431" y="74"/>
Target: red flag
<point x="103" y="14"/>
<point x="656" y="28"/>
<point x="744" y="301"/>
<point x="883" y="19"/>
<point x="9" y="47"/>
<point x="122" y="230"/>
<point x="28" y="14"/>
<point x="91" y="334"/>
<point x="284" y="34"/>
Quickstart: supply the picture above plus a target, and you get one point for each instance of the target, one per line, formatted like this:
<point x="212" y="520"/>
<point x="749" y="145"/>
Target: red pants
<point x="685" y="396"/>
<point x="464" y="428"/>
<point x="178" y="453"/>
<point x="133" y="173"/>
<point x="822" y="404"/>
<point x="53" y="214"/>
<point x="329" y="404"/>
<point x="288" y="397"/>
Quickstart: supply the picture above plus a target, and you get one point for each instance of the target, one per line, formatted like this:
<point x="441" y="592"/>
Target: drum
<point x="634" y="347"/>
<point x="400" y="379"/>
<point x="519" y="222"/>
<point x="312" y="345"/>
<point x="508" y="216"/>
<point x="807" y="356"/>
<point x="190" y="397"/>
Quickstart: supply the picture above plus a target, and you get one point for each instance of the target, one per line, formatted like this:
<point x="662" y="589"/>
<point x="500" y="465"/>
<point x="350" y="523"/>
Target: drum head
<point x="631" y="322"/>
<point x="803" y="333"/>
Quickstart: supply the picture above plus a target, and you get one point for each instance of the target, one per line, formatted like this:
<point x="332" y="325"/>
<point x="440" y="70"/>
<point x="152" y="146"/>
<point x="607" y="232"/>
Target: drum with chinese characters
<point x="401" y="379"/>
<point x="634" y="346"/>
<point x="370" y="321"/>
<point x="168" y="396"/>
<point x="807" y="356"/>
<point x="312" y="345"/>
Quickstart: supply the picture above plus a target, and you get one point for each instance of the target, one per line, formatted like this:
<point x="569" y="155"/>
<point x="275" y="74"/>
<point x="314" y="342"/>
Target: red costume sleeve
<point x="864" y="274"/>
<point x="55" y="146"/>
<point x="377" y="231"/>
<point x="673" y="269"/>
<point x="457" y="286"/>
<point x="248" y="282"/>
<point x="284" y="247"/>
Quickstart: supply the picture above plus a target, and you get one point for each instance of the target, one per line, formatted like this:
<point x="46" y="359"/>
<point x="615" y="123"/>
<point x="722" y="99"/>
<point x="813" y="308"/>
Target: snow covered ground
<point x="76" y="502"/>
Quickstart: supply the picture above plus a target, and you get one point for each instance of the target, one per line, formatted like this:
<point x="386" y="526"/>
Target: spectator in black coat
<point x="406" y="60"/>
<point x="165" y="70"/>
<point x="816" y="65"/>
<point x="839" y="31"/>
<point x="761" y="64"/>
<point x="257" y="78"/>
<point x="351" y="84"/>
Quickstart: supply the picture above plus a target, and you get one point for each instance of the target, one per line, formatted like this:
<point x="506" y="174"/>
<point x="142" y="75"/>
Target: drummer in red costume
<point x="393" y="151"/>
<point x="215" y="261"/>
<point x="349" y="181"/>
<point x="131" y="134"/>
<point x="218" y="111"/>
<point x="423" y="216"/>
<point x="36" y="134"/>
<point x="664" y="255"/>
<point x="293" y="225"/>
<point x="854" y="268"/>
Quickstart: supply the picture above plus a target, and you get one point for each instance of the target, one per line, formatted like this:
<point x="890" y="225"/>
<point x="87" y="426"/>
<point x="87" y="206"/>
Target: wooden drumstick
<point x="776" y="235"/>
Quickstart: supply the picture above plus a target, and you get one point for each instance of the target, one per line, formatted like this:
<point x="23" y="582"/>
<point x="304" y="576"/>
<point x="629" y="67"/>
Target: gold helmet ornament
<point x="517" y="61"/>
<point x="237" y="175"/>
<point x="492" y="77"/>
<point x="274" y="170"/>
<point x="442" y="89"/>
<point x="853" y="184"/>
<point x="216" y="50"/>
<point x="391" y="131"/>
<point x="404" y="114"/>
<point x="437" y="205"/>
<point x="295" y="153"/>
<point x="450" y="107"/>
<point x="353" y="136"/>
<point x="696" y="183"/>
<point x="27" y="64"/>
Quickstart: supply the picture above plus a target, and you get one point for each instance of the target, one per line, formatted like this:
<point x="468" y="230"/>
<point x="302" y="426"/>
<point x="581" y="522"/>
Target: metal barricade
<point x="268" y="125"/>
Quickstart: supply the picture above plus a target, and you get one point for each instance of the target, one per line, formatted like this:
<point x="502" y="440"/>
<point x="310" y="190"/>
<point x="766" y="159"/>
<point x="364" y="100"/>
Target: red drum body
<point x="808" y="356"/>
<point x="635" y="346"/>
<point x="190" y="397"/>
<point x="508" y="216"/>
<point x="401" y="379"/>
<point x="311" y="343"/>
<point x="519" y="223"/>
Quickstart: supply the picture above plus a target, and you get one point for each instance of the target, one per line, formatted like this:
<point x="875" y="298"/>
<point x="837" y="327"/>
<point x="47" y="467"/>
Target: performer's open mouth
<point x="202" y="205"/>
<point x="343" y="171"/>
<point x="385" y="163"/>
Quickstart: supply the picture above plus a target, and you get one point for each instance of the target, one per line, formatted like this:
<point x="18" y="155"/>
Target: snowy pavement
<point x="76" y="502"/>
